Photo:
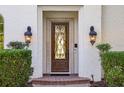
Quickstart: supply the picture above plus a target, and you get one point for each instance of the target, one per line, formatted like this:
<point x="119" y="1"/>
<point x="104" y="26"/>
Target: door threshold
<point x="60" y="74"/>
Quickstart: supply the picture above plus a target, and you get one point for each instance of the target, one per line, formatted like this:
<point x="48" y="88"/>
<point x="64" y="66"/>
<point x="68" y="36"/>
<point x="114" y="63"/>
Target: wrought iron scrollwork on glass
<point x="60" y="41"/>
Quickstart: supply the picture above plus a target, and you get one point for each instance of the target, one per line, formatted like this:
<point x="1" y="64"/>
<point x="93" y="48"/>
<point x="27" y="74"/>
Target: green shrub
<point x="103" y="47"/>
<point x="17" y="45"/>
<point x="15" y="65"/>
<point x="113" y="65"/>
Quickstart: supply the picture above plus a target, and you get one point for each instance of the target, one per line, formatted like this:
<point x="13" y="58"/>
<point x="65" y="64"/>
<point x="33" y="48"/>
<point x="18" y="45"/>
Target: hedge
<point x="14" y="67"/>
<point x="113" y="65"/>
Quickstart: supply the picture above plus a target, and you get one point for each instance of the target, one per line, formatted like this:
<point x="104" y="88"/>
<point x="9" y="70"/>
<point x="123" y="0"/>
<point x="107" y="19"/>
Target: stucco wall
<point x="113" y="26"/>
<point x="89" y="63"/>
<point x="16" y="20"/>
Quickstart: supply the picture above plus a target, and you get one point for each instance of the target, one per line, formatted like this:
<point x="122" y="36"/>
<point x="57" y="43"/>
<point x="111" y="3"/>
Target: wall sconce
<point x="28" y="35"/>
<point x="92" y="35"/>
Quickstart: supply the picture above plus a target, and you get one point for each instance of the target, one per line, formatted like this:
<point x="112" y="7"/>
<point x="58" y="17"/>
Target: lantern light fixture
<point x="92" y="35"/>
<point x="28" y="35"/>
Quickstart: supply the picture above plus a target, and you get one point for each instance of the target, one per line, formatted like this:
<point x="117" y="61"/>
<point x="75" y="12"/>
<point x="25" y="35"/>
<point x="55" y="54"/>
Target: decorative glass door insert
<point x="60" y="39"/>
<point x="60" y="46"/>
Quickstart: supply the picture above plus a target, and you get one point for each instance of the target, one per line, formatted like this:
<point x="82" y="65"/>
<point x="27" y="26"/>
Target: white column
<point x="89" y="63"/>
<point x="37" y="64"/>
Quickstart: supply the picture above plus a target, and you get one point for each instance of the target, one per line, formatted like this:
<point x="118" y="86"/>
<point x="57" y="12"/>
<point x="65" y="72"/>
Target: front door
<point x="59" y="47"/>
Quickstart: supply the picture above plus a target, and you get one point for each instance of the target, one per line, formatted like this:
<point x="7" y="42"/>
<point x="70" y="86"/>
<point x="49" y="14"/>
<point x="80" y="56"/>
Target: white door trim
<point x="47" y="47"/>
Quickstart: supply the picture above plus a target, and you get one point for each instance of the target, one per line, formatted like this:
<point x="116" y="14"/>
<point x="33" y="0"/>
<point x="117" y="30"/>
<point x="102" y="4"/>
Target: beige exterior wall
<point x="113" y="26"/>
<point x="89" y="61"/>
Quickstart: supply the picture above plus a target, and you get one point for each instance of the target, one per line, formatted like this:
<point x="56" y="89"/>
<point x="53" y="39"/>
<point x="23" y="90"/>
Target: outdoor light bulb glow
<point x="28" y="38"/>
<point x="93" y="38"/>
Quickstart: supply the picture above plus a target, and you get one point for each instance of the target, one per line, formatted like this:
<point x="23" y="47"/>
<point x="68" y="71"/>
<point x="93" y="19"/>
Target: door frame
<point x="38" y="72"/>
<point x="47" y="34"/>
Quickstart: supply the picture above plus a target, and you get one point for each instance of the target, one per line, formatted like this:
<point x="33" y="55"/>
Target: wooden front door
<point x="60" y="47"/>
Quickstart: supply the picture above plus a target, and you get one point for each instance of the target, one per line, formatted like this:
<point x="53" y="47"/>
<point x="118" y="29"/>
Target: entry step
<point x="60" y="80"/>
